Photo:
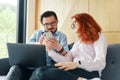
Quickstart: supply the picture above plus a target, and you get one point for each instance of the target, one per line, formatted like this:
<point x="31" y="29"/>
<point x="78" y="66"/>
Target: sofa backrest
<point x="112" y="69"/>
<point x="70" y="45"/>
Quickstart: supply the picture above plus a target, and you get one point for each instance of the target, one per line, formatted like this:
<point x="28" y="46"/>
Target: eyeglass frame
<point x="73" y="24"/>
<point x="50" y="24"/>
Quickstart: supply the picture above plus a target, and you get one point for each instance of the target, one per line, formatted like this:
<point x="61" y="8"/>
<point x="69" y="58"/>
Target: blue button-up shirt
<point x="61" y="38"/>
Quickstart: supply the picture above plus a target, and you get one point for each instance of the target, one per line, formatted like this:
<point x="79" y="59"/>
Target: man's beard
<point x="51" y="30"/>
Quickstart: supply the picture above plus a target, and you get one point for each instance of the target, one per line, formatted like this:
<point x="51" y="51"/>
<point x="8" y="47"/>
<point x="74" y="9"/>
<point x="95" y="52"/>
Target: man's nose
<point x="49" y="26"/>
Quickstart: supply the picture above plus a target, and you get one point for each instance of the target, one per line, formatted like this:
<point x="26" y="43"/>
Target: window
<point x="12" y="23"/>
<point x="8" y="12"/>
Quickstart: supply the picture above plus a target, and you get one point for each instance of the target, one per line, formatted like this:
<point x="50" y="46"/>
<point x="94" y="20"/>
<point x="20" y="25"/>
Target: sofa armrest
<point x="4" y="66"/>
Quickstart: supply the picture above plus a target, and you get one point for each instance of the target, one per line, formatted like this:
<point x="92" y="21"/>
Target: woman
<point x="87" y="57"/>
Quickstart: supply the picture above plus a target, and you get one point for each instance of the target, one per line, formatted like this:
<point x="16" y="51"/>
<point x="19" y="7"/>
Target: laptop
<point x="29" y="55"/>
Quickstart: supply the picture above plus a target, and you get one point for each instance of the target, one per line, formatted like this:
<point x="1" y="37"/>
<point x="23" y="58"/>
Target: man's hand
<point x="52" y="43"/>
<point x="67" y="65"/>
<point x="41" y="39"/>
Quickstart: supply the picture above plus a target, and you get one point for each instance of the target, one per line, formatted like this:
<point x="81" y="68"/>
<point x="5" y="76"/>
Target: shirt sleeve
<point x="35" y="36"/>
<point x="99" y="62"/>
<point x="63" y="42"/>
<point x="59" y="58"/>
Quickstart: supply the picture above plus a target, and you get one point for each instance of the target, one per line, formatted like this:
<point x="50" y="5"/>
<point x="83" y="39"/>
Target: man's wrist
<point x="63" y="53"/>
<point x="61" y="50"/>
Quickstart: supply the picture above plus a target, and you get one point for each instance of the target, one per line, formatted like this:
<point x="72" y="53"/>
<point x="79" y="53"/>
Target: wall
<point x="30" y="18"/>
<point x="106" y="12"/>
<point x="64" y="10"/>
<point x="33" y="13"/>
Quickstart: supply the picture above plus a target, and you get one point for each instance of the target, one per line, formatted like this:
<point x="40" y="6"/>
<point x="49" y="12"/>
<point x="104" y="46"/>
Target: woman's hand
<point x="67" y="65"/>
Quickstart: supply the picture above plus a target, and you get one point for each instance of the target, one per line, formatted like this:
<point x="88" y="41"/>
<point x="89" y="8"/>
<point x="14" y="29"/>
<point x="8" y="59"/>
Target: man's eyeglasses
<point x="49" y="24"/>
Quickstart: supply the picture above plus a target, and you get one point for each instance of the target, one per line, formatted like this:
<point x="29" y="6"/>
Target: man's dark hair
<point x="48" y="14"/>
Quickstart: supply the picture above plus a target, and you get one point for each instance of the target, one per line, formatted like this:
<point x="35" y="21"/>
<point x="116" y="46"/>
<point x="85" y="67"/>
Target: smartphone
<point x="48" y="35"/>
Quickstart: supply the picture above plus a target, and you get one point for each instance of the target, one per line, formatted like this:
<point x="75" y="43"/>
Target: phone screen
<point x="48" y="35"/>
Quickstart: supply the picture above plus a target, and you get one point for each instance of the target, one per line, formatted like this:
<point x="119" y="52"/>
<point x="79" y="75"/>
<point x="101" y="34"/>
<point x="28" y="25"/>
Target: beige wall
<point x="30" y="18"/>
<point x="33" y="13"/>
<point x="64" y="10"/>
<point x="106" y="12"/>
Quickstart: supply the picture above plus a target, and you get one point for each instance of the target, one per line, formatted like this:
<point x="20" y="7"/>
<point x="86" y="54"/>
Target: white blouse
<point x="91" y="56"/>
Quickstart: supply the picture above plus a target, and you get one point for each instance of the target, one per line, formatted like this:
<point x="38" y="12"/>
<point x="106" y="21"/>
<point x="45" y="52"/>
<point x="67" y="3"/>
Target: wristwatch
<point x="60" y="51"/>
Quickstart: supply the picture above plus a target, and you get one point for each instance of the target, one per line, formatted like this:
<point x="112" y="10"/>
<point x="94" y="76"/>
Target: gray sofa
<point x="111" y="71"/>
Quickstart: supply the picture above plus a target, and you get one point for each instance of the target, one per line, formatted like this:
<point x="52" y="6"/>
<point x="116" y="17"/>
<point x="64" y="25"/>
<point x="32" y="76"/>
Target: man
<point x="49" y="21"/>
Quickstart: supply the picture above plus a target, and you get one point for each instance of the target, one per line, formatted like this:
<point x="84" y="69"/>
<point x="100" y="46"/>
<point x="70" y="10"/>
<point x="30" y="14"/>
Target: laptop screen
<point x="29" y="55"/>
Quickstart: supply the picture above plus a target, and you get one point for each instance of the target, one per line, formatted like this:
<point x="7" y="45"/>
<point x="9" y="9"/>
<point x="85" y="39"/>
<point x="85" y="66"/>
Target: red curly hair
<point x="89" y="30"/>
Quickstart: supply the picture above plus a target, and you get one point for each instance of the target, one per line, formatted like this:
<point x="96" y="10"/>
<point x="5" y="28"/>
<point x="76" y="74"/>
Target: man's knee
<point x="14" y="73"/>
<point x="39" y="74"/>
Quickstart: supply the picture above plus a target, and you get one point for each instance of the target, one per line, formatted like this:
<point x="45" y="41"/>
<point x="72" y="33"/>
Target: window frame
<point x="21" y="21"/>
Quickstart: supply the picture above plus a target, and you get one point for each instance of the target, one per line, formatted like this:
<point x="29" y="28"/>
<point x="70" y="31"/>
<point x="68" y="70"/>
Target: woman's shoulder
<point x="102" y="36"/>
<point x="101" y="40"/>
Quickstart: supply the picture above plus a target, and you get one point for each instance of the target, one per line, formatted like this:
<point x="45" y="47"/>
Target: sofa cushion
<point x="4" y="66"/>
<point x="112" y="69"/>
